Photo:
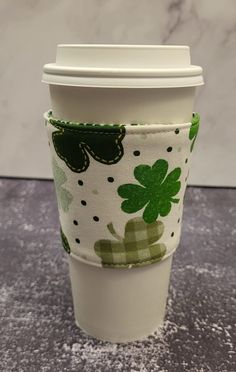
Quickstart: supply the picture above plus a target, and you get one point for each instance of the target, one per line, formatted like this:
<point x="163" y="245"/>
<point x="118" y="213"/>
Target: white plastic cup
<point x="121" y="84"/>
<point x="120" y="305"/>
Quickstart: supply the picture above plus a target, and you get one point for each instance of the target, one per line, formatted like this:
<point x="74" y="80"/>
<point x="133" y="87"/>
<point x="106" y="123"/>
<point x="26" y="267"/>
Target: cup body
<point x="121" y="304"/>
<point x="123" y="105"/>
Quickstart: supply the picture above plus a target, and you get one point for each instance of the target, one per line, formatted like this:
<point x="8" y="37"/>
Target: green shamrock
<point x="194" y="129"/>
<point x="137" y="248"/>
<point x="73" y="142"/>
<point x="156" y="191"/>
<point x="65" y="243"/>
<point x="64" y="197"/>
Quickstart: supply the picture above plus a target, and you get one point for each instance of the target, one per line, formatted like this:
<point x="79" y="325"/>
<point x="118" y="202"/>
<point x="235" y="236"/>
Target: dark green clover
<point x="74" y="143"/>
<point x="156" y="192"/>
<point x="65" y="243"/>
<point x="194" y="129"/>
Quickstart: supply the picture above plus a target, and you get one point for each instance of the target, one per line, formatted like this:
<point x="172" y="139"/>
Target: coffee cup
<point x="121" y="131"/>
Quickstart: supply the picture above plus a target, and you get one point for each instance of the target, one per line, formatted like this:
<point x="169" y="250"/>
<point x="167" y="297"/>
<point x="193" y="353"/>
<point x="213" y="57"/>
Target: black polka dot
<point x="110" y="179"/>
<point x="186" y="160"/>
<point x="177" y="131"/>
<point x="80" y="182"/>
<point x="172" y="234"/>
<point x="77" y="240"/>
<point x="96" y="218"/>
<point x="83" y="202"/>
<point x="169" y="149"/>
<point x="178" y="220"/>
<point x="136" y="153"/>
<point x="75" y="222"/>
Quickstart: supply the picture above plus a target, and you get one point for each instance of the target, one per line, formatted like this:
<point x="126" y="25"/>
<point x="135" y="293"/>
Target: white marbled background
<point x="31" y="29"/>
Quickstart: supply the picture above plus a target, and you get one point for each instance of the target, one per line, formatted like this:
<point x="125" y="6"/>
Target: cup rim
<point x="123" y="65"/>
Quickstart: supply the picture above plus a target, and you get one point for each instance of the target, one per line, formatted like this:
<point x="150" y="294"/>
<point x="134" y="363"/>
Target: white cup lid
<point x="123" y="66"/>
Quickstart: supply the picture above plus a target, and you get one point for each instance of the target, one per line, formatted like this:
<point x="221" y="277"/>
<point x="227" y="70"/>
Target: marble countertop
<point x="37" y="326"/>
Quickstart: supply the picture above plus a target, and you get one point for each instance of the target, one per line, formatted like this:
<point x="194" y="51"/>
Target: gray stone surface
<point x="37" y="329"/>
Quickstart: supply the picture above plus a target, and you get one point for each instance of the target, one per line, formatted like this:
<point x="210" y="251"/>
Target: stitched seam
<point x="153" y="131"/>
<point x="65" y="159"/>
<point x="136" y="264"/>
<point x="139" y="263"/>
<point x="63" y="125"/>
<point x="68" y="123"/>
<point x="125" y="266"/>
<point x="60" y="123"/>
<point x="53" y="121"/>
<point x="104" y="160"/>
<point x="86" y="131"/>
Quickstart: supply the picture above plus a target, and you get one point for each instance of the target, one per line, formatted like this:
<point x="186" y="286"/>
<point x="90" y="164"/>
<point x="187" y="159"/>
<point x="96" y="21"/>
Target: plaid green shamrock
<point x="137" y="248"/>
<point x="74" y="141"/>
<point x="64" y="197"/>
<point x="194" y="129"/>
<point x="156" y="192"/>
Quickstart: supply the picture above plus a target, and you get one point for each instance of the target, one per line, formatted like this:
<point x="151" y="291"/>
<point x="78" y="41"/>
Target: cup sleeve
<point x="120" y="188"/>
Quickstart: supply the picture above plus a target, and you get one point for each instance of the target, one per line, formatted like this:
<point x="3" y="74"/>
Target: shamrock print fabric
<point x="194" y="130"/>
<point x="156" y="191"/>
<point x="65" y="243"/>
<point x="64" y="197"/>
<point x="103" y="143"/>
<point x="120" y="188"/>
<point x="136" y="248"/>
